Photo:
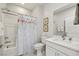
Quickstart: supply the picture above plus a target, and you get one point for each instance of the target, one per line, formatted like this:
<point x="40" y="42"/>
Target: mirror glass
<point x="64" y="20"/>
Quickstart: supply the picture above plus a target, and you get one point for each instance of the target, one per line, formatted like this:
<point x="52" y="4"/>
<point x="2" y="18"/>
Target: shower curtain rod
<point x="10" y="13"/>
<point x="14" y="13"/>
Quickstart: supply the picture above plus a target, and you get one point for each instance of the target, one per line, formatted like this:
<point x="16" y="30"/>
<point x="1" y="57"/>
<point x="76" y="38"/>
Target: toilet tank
<point x="43" y="39"/>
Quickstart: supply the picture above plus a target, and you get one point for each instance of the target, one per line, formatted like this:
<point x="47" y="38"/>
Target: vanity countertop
<point x="68" y="44"/>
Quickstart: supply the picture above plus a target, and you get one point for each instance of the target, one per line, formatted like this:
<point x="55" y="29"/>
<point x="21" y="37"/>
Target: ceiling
<point x="30" y="6"/>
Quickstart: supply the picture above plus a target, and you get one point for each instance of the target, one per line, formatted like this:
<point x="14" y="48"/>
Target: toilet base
<point x="39" y="53"/>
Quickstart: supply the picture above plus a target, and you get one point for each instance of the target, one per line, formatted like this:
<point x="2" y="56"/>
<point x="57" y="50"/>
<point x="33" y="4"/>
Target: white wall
<point x="2" y="5"/>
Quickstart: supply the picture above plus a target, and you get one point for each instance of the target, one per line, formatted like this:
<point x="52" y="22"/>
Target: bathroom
<point x="39" y="29"/>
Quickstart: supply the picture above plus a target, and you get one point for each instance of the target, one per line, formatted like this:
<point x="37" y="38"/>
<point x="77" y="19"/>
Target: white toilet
<point x="40" y="46"/>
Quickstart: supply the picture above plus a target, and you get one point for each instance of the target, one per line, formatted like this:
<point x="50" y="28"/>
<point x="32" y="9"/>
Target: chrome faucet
<point x="64" y="34"/>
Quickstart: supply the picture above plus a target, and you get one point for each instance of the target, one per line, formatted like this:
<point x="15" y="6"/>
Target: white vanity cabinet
<point x="55" y="49"/>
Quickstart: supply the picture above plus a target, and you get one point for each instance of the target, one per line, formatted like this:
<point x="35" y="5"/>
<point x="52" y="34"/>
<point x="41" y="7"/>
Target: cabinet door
<point x="53" y="52"/>
<point x="50" y="51"/>
<point x="57" y="53"/>
<point x="1" y="51"/>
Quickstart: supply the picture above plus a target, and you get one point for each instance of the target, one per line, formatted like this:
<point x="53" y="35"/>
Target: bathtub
<point x="11" y="51"/>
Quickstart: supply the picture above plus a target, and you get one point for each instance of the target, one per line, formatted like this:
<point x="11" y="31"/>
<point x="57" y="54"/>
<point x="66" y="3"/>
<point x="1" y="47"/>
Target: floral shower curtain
<point x="27" y="35"/>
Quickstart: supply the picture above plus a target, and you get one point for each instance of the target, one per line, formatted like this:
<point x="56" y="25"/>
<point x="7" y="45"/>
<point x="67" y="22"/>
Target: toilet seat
<point x="39" y="46"/>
